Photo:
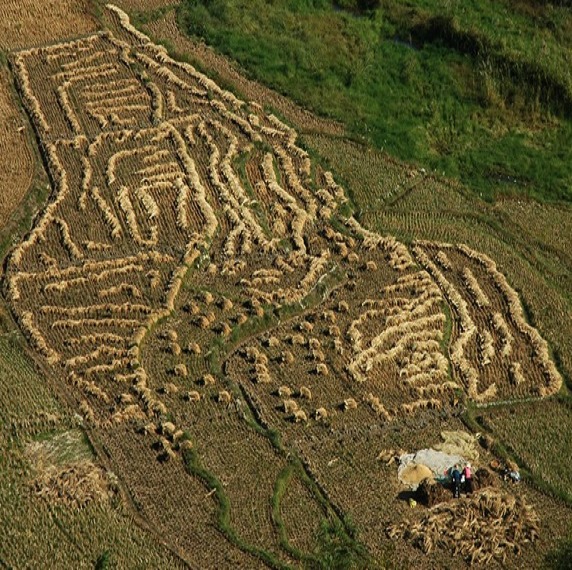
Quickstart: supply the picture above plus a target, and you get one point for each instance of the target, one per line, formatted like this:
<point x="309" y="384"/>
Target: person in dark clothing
<point x="468" y="475"/>
<point x="456" y="477"/>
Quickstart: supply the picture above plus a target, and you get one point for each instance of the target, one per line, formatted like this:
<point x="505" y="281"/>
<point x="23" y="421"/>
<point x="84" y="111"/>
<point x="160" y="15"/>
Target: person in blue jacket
<point x="456" y="478"/>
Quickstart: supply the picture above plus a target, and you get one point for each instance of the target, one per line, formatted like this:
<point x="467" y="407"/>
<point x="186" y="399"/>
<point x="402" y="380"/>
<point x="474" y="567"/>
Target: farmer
<point x="456" y="477"/>
<point x="468" y="475"/>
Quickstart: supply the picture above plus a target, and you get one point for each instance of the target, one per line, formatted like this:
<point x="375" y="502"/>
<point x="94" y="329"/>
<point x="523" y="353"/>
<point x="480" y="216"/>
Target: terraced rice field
<point x="237" y="345"/>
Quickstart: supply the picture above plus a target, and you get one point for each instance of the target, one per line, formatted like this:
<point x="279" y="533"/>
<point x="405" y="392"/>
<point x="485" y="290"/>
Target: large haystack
<point x="413" y="473"/>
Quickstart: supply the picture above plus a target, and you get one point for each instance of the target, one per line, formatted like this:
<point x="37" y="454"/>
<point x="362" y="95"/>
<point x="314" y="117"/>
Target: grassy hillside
<point x="481" y="91"/>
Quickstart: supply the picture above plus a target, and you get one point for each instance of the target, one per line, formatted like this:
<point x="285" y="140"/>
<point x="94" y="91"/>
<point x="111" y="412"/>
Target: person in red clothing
<point x="468" y="476"/>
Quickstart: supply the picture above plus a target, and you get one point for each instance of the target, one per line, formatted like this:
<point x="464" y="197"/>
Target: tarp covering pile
<point x="426" y="463"/>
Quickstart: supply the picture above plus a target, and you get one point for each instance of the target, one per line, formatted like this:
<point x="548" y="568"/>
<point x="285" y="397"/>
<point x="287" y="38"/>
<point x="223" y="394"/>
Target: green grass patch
<point x="447" y="329"/>
<point x="141" y="18"/>
<point x="282" y="482"/>
<point x="195" y="468"/>
<point x="455" y="87"/>
<point x="338" y="546"/>
<point x="339" y="549"/>
<point x="103" y="562"/>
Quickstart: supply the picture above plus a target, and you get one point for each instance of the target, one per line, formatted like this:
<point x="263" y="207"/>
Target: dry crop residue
<point x="64" y="471"/>
<point x="33" y="22"/>
<point x="16" y="163"/>
<point x="485" y="527"/>
<point x="194" y="269"/>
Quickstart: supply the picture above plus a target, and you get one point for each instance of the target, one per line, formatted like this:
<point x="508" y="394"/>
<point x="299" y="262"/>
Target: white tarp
<point x="438" y="462"/>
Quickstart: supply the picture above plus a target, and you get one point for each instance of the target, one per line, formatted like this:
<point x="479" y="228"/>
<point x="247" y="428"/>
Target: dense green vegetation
<point x="479" y="90"/>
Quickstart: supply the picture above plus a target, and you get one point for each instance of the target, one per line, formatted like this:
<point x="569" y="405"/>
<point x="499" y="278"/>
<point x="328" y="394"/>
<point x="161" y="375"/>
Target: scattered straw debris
<point x="75" y="485"/>
<point x="487" y="526"/>
<point x="389" y="456"/>
<point x="64" y="471"/>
